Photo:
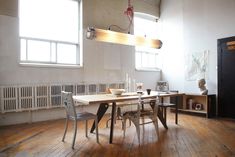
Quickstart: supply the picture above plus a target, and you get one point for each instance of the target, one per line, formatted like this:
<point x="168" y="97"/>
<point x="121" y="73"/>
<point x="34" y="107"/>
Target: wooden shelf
<point x="208" y="103"/>
<point x="194" y="111"/>
<point x="196" y="94"/>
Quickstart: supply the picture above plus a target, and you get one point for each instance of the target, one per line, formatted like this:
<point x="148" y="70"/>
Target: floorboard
<point x="194" y="136"/>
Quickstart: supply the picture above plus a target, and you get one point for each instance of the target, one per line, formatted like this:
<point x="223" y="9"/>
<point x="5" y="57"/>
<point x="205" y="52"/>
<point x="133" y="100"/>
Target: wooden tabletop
<point x="109" y="98"/>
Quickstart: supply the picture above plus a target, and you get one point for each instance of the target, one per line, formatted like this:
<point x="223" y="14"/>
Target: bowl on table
<point x="117" y="91"/>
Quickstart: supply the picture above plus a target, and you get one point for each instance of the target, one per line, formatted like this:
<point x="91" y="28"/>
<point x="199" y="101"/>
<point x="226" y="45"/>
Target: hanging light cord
<point x="129" y="13"/>
<point x="123" y="29"/>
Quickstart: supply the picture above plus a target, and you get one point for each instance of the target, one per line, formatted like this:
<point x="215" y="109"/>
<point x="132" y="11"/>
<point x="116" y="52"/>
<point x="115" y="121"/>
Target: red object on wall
<point x="129" y="11"/>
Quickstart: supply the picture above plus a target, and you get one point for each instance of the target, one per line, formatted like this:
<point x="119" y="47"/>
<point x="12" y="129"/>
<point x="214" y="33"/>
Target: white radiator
<point x="69" y="88"/>
<point x="81" y="89"/>
<point x="26" y="97"/>
<point x="41" y="96"/>
<point x="102" y="88"/>
<point x="55" y="96"/>
<point x="92" y="88"/>
<point x="117" y="85"/>
<point x="32" y="97"/>
<point x="121" y="85"/>
<point x="113" y="85"/>
<point x="9" y="99"/>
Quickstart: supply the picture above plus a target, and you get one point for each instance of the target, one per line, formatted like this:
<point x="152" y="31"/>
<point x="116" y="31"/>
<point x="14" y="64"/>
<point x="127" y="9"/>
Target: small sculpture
<point x="202" y="87"/>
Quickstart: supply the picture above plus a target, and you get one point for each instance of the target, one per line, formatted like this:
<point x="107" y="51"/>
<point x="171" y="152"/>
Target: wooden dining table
<point x="103" y="100"/>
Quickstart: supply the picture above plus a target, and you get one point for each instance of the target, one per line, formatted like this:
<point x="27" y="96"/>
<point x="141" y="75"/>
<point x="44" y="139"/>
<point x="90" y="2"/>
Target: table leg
<point x="164" y="112"/>
<point x="161" y="113"/>
<point x="161" y="117"/>
<point x="176" y="110"/>
<point x="112" y="122"/>
<point x="100" y="113"/>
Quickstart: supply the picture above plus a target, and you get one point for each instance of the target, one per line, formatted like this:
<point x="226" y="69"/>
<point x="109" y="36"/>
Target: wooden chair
<point x="118" y="113"/>
<point x="135" y="115"/>
<point x="72" y="115"/>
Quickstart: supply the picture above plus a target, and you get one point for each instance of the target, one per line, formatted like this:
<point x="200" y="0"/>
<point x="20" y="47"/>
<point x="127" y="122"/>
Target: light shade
<point x="121" y="38"/>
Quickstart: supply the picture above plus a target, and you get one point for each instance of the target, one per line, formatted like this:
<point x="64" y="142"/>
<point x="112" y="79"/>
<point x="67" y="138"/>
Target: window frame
<point x="145" y="68"/>
<point x="79" y="46"/>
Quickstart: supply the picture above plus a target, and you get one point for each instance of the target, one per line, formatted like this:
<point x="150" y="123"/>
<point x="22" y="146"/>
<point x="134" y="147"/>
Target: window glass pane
<point x="158" y="61"/>
<point x="53" y="52"/>
<point x="38" y="51"/>
<point x="146" y="26"/>
<point x="144" y="59"/>
<point x="49" y="19"/>
<point x="138" y="59"/>
<point x="151" y="60"/>
<point x="66" y="53"/>
<point x="49" y="31"/>
<point x="23" y="55"/>
<point x="146" y="49"/>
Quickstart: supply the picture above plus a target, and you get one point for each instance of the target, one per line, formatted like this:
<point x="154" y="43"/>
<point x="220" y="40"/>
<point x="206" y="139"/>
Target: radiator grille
<point x="102" y="88"/>
<point x="80" y="89"/>
<point x="121" y="85"/>
<point x="55" y="95"/>
<point x="113" y="85"/>
<point x="8" y="99"/>
<point x="26" y="99"/>
<point x="92" y="89"/>
<point x="69" y="88"/>
<point x="41" y="96"/>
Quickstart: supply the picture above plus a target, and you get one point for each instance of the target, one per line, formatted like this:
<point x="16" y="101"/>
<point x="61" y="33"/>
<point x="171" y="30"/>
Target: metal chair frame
<point x="72" y="115"/>
<point x="135" y="116"/>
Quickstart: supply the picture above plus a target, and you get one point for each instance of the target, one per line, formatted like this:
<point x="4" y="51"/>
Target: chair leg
<point x="156" y="127"/>
<point x="155" y="122"/>
<point x="107" y="122"/>
<point x="137" y="126"/>
<point x="65" y="129"/>
<point x="125" y="124"/>
<point x="119" y="117"/>
<point x="97" y="132"/>
<point x="86" y="128"/>
<point x="75" y="133"/>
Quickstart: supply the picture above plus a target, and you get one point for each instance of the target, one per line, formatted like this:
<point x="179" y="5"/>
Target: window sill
<point x="44" y="65"/>
<point x="148" y="69"/>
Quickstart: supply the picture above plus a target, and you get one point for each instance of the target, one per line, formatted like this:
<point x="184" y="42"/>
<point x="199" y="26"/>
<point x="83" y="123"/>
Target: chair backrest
<point x="133" y="105"/>
<point x="67" y="100"/>
<point x="154" y="104"/>
<point x="155" y="108"/>
<point x="139" y="105"/>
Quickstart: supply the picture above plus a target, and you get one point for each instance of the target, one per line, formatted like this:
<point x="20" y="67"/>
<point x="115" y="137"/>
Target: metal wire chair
<point x="72" y="115"/>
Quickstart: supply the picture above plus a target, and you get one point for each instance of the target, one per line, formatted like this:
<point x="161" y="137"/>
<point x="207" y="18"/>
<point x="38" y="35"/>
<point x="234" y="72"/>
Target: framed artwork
<point x="196" y="65"/>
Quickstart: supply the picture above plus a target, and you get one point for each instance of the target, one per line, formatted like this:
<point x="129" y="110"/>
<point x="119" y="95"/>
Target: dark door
<point x="226" y="77"/>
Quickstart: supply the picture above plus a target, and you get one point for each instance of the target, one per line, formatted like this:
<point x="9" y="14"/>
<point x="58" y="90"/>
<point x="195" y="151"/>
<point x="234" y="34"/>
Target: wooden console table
<point x="208" y="104"/>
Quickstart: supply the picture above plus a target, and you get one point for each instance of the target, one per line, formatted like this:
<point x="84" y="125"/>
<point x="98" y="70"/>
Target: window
<point x="49" y="31"/>
<point x="146" y="58"/>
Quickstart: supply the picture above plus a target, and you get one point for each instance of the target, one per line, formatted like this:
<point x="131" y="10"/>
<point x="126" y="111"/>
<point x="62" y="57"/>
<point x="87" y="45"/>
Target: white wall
<point x="97" y="55"/>
<point x="171" y="23"/>
<point x="112" y="61"/>
<point x="192" y="26"/>
<point x="102" y="62"/>
<point x="40" y="115"/>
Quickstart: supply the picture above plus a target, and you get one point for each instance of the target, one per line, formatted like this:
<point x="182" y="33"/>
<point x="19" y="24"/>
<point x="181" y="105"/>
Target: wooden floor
<point x="194" y="136"/>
